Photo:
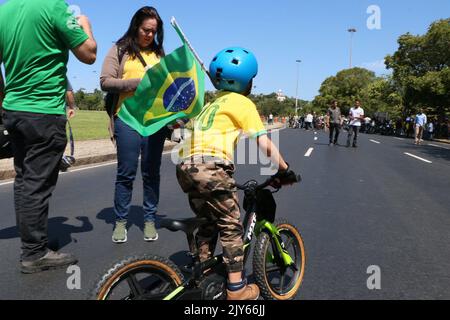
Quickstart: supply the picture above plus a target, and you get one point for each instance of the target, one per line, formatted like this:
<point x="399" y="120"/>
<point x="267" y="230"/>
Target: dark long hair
<point x="129" y="42"/>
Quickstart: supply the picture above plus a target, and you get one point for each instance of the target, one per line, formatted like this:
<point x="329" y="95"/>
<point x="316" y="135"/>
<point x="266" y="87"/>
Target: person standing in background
<point x="420" y="124"/>
<point x="334" y="122"/>
<point x="356" y="117"/>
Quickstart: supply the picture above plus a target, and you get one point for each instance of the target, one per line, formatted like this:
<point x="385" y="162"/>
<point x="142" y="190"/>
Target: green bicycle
<point x="278" y="259"/>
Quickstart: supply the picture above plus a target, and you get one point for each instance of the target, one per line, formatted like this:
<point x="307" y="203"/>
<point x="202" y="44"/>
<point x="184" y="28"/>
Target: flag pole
<point x="180" y="32"/>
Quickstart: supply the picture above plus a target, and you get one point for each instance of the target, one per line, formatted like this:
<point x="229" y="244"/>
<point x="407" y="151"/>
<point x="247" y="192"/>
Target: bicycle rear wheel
<point x="276" y="281"/>
<point x="139" y="278"/>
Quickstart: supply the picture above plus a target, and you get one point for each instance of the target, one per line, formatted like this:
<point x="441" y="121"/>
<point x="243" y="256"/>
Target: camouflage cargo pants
<point x="212" y="194"/>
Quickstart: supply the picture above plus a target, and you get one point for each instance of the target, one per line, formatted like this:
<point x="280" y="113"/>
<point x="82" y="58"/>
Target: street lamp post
<point x="298" y="80"/>
<point x="352" y="31"/>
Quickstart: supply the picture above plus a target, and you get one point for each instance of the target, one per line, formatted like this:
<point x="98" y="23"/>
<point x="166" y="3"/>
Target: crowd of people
<point x="419" y="127"/>
<point x="333" y="122"/>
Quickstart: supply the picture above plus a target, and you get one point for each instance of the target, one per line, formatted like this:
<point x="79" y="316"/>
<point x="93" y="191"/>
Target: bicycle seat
<point x="186" y="225"/>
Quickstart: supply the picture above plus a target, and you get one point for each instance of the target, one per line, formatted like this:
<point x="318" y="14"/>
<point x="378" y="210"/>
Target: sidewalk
<point x="447" y="141"/>
<point x="91" y="152"/>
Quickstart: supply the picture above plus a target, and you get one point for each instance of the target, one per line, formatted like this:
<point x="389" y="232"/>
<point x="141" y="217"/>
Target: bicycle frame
<point x="252" y="227"/>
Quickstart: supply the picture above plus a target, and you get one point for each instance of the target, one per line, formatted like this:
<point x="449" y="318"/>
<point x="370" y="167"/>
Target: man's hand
<point x="71" y="113"/>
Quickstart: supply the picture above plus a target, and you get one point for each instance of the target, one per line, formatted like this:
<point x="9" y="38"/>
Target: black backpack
<point x="111" y="98"/>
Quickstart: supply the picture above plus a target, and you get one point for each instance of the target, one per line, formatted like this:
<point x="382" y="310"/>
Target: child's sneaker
<point x="120" y="232"/>
<point x="249" y="292"/>
<point x="150" y="233"/>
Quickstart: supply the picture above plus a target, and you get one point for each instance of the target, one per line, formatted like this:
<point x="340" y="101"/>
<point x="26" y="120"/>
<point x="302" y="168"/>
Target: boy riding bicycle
<point x="207" y="169"/>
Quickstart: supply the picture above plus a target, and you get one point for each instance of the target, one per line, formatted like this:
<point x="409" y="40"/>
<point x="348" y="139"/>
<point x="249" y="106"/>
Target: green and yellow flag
<point x="171" y="90"/>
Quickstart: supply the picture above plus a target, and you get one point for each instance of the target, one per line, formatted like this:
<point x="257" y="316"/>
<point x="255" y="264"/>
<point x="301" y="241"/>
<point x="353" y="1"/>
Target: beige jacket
<point x="112" y="73"/>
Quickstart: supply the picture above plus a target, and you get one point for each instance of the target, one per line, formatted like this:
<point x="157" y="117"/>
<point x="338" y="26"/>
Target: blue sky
<point x="278" y="32"/>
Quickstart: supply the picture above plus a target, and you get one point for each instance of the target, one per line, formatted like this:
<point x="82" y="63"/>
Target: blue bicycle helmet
<point x="233" y="68"/>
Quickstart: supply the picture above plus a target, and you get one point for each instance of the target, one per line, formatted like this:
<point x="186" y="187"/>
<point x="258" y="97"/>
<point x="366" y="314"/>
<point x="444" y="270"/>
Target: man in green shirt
<point x="35" y="39"/>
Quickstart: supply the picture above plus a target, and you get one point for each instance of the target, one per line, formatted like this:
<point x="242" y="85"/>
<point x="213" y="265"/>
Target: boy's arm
<point x="272" y="152"/>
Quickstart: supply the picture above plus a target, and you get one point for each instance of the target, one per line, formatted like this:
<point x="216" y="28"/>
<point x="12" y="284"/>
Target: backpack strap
<point x="141" y="59"/>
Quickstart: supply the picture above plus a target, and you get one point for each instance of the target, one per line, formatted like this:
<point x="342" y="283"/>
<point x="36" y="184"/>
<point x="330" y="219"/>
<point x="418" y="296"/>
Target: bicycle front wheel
<point x="139" y="278"/>
<point x="275" y="280"/>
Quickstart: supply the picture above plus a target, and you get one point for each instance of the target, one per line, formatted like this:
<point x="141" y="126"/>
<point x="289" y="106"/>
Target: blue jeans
<point x="131" y="145"/>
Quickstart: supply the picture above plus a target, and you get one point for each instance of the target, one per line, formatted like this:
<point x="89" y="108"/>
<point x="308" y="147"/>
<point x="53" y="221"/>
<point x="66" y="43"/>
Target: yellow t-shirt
<point x="218" y="127"/>
<point x="134" y="69"/>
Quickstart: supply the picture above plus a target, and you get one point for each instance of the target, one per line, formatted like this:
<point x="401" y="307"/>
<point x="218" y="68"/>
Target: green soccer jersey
<point x="35" y="38"/>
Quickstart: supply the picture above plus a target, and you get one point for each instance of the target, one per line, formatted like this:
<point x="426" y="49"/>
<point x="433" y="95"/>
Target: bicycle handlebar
<point x="267" y="183"/>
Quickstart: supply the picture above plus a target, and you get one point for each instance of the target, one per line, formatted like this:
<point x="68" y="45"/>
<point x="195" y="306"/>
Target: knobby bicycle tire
<point x="260" y="257"/>
<point x="133" y="265"/>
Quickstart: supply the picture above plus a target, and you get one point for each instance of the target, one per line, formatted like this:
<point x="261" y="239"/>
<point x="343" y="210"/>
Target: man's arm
<point x="70" y="101"/>
<point x="87" y="51"/>
<point x="272" y="152"/>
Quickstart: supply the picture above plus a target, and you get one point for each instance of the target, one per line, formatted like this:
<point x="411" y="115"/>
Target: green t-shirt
<point x="35" y="38"/>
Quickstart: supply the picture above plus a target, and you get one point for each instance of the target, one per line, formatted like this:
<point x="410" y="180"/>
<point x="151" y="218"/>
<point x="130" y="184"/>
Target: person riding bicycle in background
<point x="206" y="169"/>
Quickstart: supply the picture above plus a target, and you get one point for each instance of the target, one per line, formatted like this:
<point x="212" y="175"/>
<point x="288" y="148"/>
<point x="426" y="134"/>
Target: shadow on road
<point x="60" y="233"/>
<point x="135" y="217"/>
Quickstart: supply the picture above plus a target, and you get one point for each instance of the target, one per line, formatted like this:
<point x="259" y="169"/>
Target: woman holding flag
<point x="125" y="65"/>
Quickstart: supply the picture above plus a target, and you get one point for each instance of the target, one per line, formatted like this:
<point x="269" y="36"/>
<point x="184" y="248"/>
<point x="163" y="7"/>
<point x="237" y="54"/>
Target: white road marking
<point x="435" y="145"/>
<point x="374" y="141"/>
<point x="91" y="167"/>
<point x="315" y="139"/>
<point x="401" y="139"/>
<point x="419" y="158"/>
<point x="310" y="151"/>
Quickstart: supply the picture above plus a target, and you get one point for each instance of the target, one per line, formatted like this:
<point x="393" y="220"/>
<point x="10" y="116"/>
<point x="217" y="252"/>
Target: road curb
<point x="10" y="174"/>
<point x="441" y="141"/>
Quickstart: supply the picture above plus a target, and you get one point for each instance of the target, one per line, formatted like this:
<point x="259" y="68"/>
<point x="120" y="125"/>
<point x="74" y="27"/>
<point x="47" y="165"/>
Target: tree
<point x="381" y="95"/>
<point x="89" y="101"/>
<point x="421" y="69"/>
<point x="268" y="104"/>
<point x="347" y="86"/>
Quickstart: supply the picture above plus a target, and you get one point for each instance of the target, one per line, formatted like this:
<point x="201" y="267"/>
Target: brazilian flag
<point x="171" y="90"/>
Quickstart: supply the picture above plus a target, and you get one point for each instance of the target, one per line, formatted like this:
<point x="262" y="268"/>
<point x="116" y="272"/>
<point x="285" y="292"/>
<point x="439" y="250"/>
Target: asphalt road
<point x="378" y="205"/>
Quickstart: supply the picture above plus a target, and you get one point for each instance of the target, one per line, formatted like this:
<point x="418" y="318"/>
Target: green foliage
<point x="89" y="101"/>
<point x="421" y="69"/>
<point x="268" y="104"/>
